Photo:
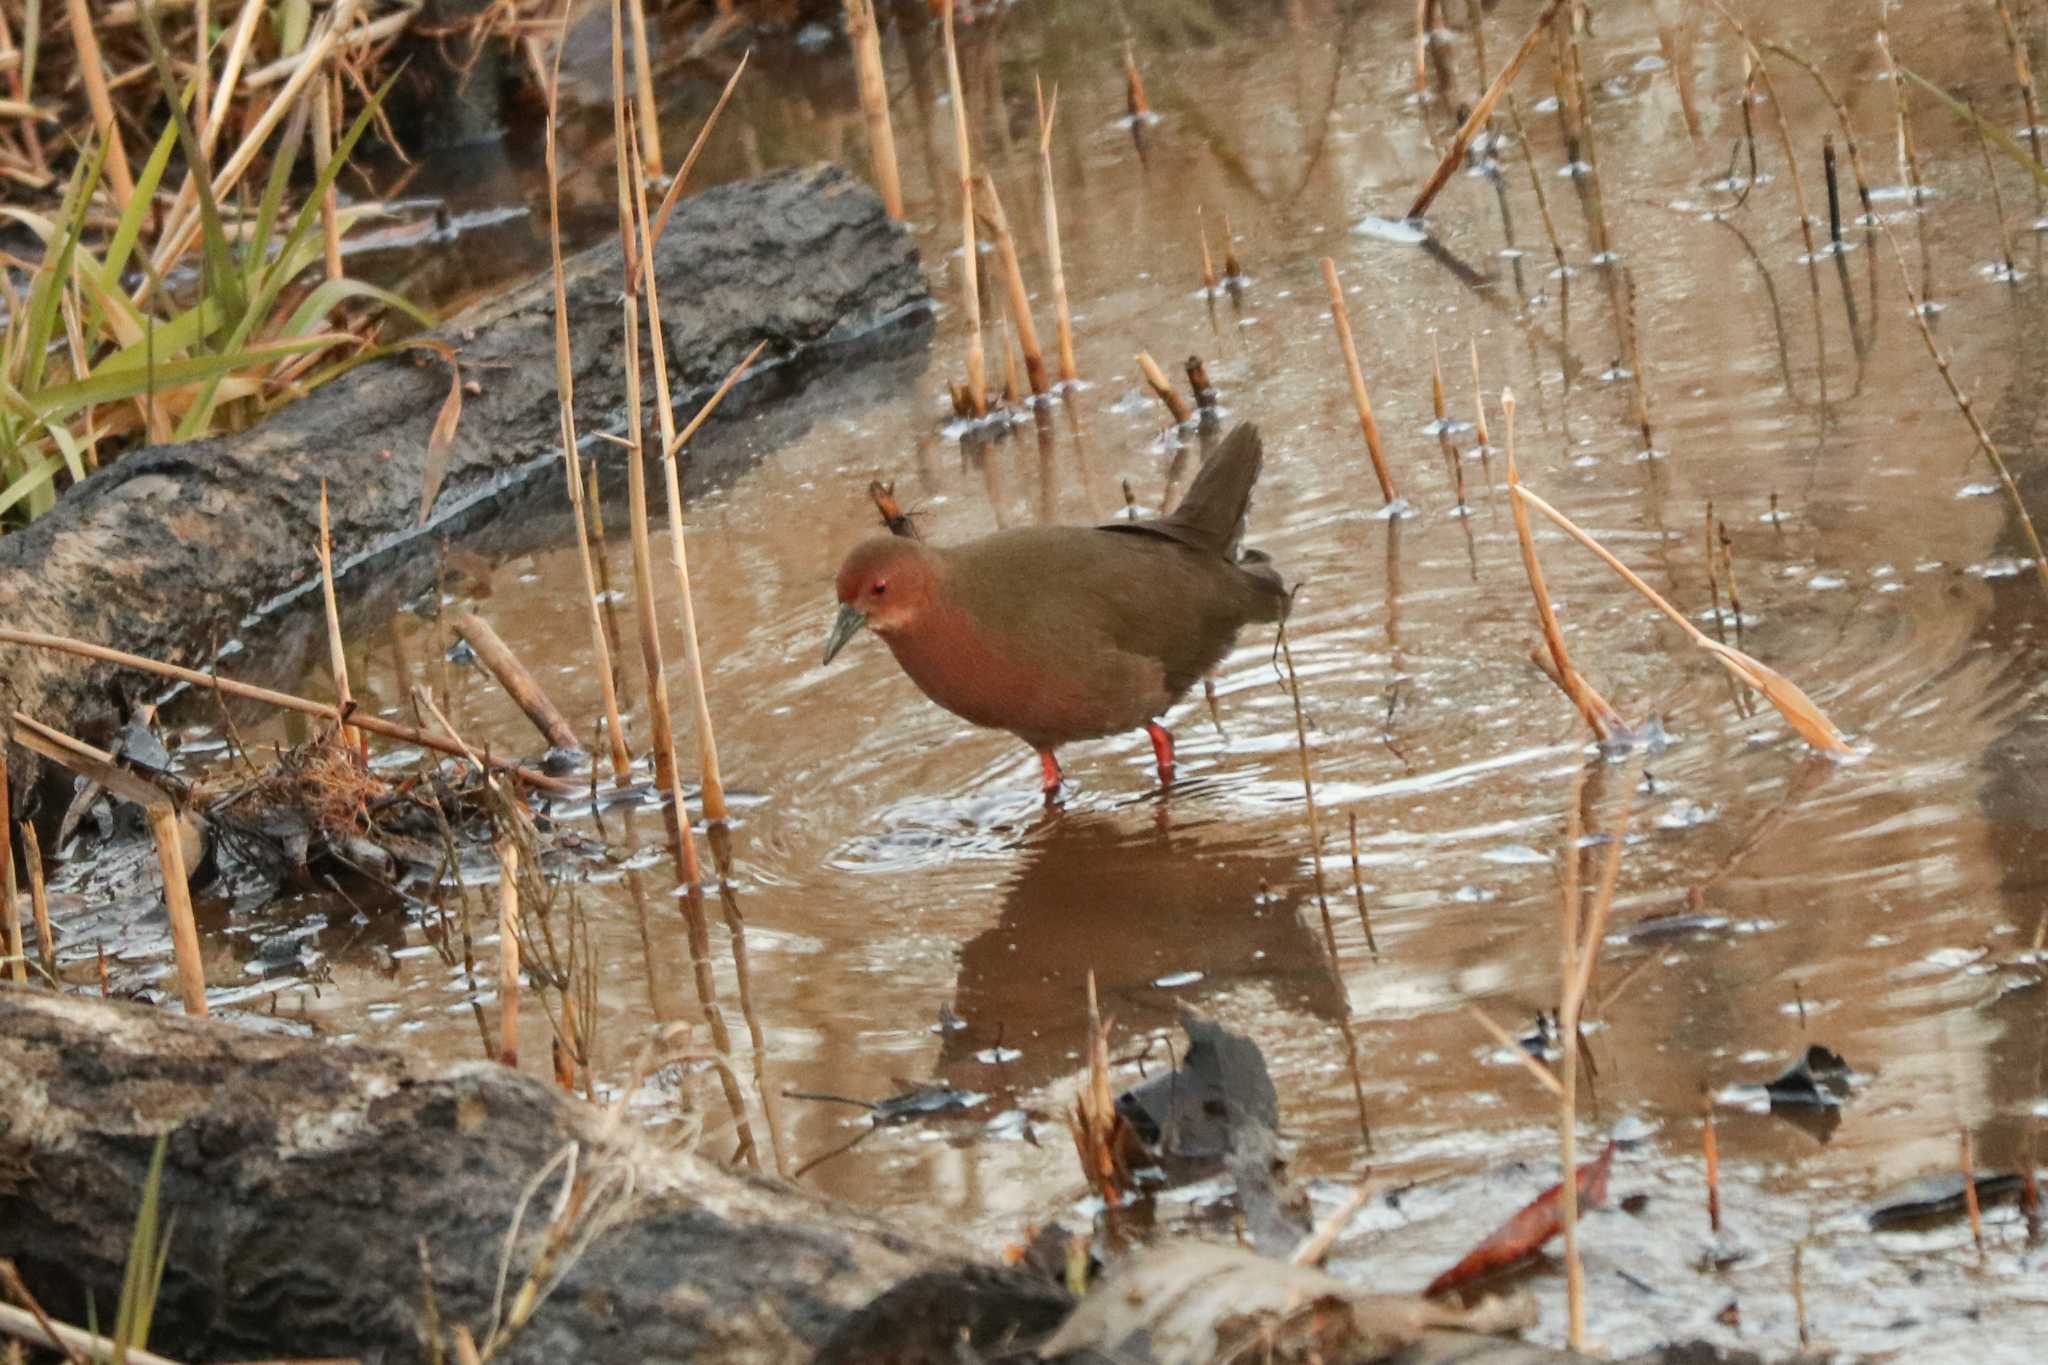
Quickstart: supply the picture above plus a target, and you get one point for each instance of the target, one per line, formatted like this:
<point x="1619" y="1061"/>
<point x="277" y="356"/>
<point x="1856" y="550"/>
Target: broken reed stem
<point x="2022" y="75"/>
<point x="970" y="288"/>
<point x="519" y="684"/>
<point x="337" y="657"/>
<point x="1479" y="397"/>
<point x="362" y="720"/>
<point x="1970" y="1201"/>
<point x="1728" y="574"/>
<point x="508" y="953"/>
<point x="572" y="459"/>
<point x="1963" y="404"/>
<point x="39" y="899"/>
<point x="1710" y="1143"/>
<point x="1063" y="320"/>
<point x="1231" y="269"/>
<point x="1340" y="318"/>
<point x="1198" y="383"/>
<point x="1713" y="578"/>
<point x="1436" y="382"/>
<point x="1600" y="717"/>
<point x="1842" y="120"/>
<point x="648" y="149"/>
<point x="92" y="74"/>
<point x="1308" y="792"/>
<point x="1358" y="889"/>
<point x="1013" y="279"/>
<point x="1481" y="112"/>
<point x="1794" y="705"/>
<point x="1208" y="262"/>
<point x="864" y="35"/>
<point x="1161" y="385"/>
<point x="1422" y="9"/>
<point x="326" y="100"/>
<point x="1134" y="85"/>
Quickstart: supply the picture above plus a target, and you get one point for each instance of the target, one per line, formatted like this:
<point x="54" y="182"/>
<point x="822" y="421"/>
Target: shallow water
<point x="892" y="862"/>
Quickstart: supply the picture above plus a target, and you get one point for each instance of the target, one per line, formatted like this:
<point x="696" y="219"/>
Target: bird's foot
<point x="1162" y="748"/>
<point x="1053" y="777"/>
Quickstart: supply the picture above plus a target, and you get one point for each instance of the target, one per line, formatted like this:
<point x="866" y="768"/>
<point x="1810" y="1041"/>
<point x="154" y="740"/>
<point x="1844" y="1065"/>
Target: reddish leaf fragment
<point x="1525" y="1233"/>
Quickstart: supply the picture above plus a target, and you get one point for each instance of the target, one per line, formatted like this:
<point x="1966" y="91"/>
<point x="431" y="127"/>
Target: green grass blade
<point x="2005" y="141"/>
<point x="142" y="1276"/>
<point x="219" y="260"/>
<point x="130" y="227"/>
<point x="59" y="401"/>
<point x="46" y="295"/>
<point x="39" y="476"/>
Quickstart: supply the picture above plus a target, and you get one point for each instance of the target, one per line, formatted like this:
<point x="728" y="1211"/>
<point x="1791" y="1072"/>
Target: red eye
<point x="881" y="586"/>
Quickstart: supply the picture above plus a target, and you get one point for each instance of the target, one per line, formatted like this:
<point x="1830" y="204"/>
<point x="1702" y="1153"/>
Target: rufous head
<point x="885" y="583"/>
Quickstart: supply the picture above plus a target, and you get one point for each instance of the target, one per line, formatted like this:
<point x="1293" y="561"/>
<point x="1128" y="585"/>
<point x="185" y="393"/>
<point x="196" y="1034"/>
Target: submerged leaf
<point x="1524" y="1234"/>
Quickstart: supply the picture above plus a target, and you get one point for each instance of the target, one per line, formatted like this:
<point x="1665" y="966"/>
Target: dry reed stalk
<point x="1134" y="86"/>
<point x="1422" y="9"/>
<point x="1063" y="320"/>
<point x="519" y="684"/>
<point x="1728" y="574"/>
<point x="97" y="766"/>
<point x="1481" y="112"/>
<point x="970" y="276"/>
<point x="326" y="100"/>
<point x="1997" y="195"/>
<point x="1358" y="889"/>
<point x="1970" y="1201"/>
<point x="572" y="460"/>
<point x="1763" y="72"/>
<point x="1540" y="1073"/>
<point x="1479" y="398"/>
<point x="1340" y="318"/>
<point x="508" y="953"/>
<point x="1963" y="404"/>
<point x="682" y="177"/>
<point x="1013" y="280"/>
<point x="92" y="74"/>
<point x="649" y="149"/>
<point x="1713" y="578"/>
<point x="1231" y="269"/>
<point x="1602" y="719"/>
<point x="1156" y="379"/>
<point x="864" y="35"/>
<point x="1793" y="704"/>
<point x="1536" y="184"/>
<point x="1842" y="120"/>
<point x="1908" y="154"/>
<point x="1308" y="792"/>
<point x="1097" y="1128"/>
<point x="337" y="656"/>
<point x="1013" y="385"/>
<point x="1436" y="383"/>
<point x="1712" y="1147"/>
<point x="362" y="720"/>
<point x="1208" y="262"/>
<point x="39" y="899"/>
<point x="10" y="899"/>
<point x="2022" y="75"/>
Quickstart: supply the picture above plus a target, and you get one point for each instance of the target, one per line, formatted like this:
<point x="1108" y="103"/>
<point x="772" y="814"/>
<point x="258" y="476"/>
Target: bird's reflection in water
<point x="1137" y="903"/>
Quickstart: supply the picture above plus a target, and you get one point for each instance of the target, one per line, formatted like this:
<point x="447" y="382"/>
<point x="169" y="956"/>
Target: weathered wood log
<point x="173" y="546"/>
<point x="304" y="1176"/>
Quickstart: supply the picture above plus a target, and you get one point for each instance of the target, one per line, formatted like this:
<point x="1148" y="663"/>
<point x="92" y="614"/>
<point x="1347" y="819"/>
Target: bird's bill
<point x="844" y="627"/>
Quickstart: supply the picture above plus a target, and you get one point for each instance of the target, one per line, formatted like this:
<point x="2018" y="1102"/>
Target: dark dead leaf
<point x="1524" y="1234"/>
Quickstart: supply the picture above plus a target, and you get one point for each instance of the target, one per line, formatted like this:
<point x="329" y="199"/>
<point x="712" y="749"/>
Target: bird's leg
<point x="1162" y="746"/>
<point x="1209" y="695"/>
<point x="1053" y="776"/>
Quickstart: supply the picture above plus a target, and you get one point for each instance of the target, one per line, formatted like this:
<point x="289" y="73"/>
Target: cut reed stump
<point x="172" y="546"/>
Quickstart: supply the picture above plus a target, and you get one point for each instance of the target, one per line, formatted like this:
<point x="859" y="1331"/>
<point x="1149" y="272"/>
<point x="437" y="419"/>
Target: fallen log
<point x="174" y="546"/>
<point x="304" y="1177"/>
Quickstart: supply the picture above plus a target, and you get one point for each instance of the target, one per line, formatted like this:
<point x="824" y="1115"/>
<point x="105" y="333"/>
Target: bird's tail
<point x="1211" y="514"/>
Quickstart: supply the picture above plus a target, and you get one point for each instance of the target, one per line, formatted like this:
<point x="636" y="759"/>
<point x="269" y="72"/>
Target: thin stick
<point x="1208" y="263"/>
<point x="325" y="102"/>
<point x="1909" y="158"/>
<point x="508" y="953"/>
<point x="864" y="34"/>
<point x="1543" y="1074"/>
<point x="38" y="895"/>
<point x="1134" y="85"/>
<point x="649" y="121"/>
<point x="572" y="464"/>
<point x="519" y="684"/>
<point x="970" y="288"/>
<point x="1712" y="1146"/>
<point x="1358" y="889"/>
<point x="1963" y="404"/>
<point x="1013" y="278"/>
<point x="1436" y="383"/>
<point x="1317" y="1245"/>
<point x="1997" y="195"/>
<point x="10" y="900"/>
<point x="337" y="657"/>
<point x="1340" y="317"/>
<point x="74" y="1343"/>
<point x="2022" y="75"/>
<point x="1536" y="185"/>
<point x="1062" y="319"/>
<point x="1481" y="112"/>
<point x="1600" y="717"/>
<point x="1161" y="385"/>
<point x="92" y="74"/>
<point x="1763" y="71"/>
<point x="362" y="720"/>
<point x="1479" y="400"/>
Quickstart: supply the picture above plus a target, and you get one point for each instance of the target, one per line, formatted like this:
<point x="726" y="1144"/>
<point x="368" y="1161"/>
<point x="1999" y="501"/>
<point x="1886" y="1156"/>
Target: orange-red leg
<point x="1053" y="776"/>
<point x="1162" y="747"/>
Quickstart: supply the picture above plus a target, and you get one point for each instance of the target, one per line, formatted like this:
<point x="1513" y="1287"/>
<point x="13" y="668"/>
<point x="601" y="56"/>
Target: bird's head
<point x="885" y="584"/>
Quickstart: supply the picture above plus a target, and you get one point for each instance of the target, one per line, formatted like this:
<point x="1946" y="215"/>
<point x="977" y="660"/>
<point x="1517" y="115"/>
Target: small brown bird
<point x="1060" y="633"/>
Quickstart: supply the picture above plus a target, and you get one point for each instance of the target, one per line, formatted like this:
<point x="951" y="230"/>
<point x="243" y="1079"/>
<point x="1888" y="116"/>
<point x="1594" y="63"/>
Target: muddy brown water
<point x="892" y="862"/>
